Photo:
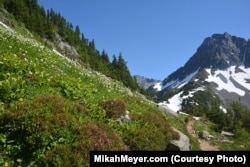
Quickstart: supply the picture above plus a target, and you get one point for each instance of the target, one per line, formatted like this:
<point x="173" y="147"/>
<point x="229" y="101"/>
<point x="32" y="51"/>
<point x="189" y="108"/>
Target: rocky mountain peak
<point x="223" y="50"/>
<point x="221" y="62"/>
<point x="219" y="51"/>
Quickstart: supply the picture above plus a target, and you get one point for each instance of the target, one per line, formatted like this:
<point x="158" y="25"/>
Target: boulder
<point x="129" y="92"/>
<point x="124" y="119"/>
<point x="225" y="133"/>
<point x="179" y="145"/>
<point x="206" y="135"/>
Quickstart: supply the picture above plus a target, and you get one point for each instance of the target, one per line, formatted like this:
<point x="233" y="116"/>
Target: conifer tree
<point x="48" y="24"/>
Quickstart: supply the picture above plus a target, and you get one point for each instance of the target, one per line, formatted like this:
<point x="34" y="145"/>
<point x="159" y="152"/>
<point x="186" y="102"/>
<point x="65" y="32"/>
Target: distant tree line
<point x="48" y="23"/>
<point x="236" y="119"/>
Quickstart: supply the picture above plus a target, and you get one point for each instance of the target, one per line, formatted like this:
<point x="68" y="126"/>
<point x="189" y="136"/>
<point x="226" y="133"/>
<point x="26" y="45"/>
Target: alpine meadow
<point x="60" y="97"/>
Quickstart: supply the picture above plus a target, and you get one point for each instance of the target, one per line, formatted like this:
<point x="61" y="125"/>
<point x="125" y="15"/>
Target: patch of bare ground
<point x="204" y="145"/>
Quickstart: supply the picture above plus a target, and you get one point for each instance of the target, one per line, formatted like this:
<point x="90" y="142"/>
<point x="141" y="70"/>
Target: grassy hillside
<point x="68" y="39"/>
<point x="53" y="110"/>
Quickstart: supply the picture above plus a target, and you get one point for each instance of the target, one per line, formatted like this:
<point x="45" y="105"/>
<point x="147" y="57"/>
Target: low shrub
<point x="154" y="132"/>
<point x="97" y="136"/>
<point x="114" y="108"/>
<point x="37" y="128"/>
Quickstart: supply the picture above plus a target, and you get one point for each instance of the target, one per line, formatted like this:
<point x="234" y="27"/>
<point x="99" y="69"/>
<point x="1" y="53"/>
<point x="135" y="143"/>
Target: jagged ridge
<point x="218" y="53"/>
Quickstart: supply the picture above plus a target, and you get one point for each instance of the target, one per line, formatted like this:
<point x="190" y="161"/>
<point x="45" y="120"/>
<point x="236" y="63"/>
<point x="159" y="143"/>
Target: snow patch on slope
<point x="187" y="79"/>
<point x="223" y="79"/>
<point x="158" y="86"/>
<point x="175" y="83"/>
<point x="191" y="93"/>
<point x="174" y="103"/>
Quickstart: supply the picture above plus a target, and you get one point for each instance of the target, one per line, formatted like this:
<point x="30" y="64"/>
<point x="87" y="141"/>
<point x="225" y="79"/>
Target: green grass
<point x="238" y="142"/>
<point x="50" y="112"/>
<point x="50" y="108"/>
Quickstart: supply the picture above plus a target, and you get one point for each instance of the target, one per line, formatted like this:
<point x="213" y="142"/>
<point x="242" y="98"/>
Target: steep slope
<point x="53" y="110"/>
<point x="220" y="67"/>
<point x="59" y="33"/>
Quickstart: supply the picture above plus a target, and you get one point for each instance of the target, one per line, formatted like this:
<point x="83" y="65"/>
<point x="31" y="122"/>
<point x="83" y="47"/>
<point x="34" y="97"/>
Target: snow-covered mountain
<point x="220" y="68"/>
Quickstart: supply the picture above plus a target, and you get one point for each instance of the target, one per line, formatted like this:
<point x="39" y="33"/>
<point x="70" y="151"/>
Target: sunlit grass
<point x="48" y="100"/>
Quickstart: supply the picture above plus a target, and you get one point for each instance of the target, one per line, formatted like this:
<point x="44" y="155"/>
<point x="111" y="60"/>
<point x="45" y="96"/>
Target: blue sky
<point x="155" y="37"/>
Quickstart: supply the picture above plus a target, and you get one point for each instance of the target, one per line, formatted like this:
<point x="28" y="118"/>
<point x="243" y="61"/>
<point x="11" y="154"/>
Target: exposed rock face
<point x="222" y="50"/>
<point x="65" y="46"/>
<point x="145" y="83"/>
<point x="179" y="145"/>
<point x="224" y="59"/>
<point x="219" y="52"/>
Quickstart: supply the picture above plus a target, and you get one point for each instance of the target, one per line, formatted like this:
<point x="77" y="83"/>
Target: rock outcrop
<point x="145" y="83"/>
<point x="179" y="145"/>
<point x="65" y="46"/>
